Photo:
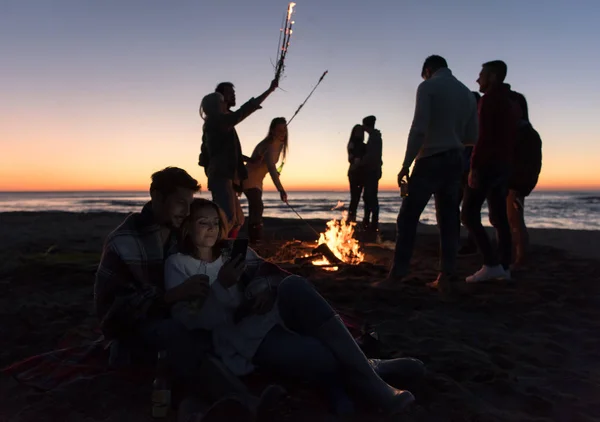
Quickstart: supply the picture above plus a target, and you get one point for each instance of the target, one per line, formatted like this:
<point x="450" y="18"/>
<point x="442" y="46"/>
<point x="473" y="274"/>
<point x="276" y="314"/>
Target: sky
<point x="97" y="95"/>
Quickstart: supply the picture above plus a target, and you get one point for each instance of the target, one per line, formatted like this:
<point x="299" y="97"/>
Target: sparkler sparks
<point x="284" y="36"/>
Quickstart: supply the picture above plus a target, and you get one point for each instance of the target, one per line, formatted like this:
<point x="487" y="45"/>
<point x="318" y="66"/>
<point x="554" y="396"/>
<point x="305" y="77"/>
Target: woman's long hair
<point x="357" y="138"/>
<point x="269" y="138"/>
<point x="211" y="105"/>
<point x="186" y="246"/>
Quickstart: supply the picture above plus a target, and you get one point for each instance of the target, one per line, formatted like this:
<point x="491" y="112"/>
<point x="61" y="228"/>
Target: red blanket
<point x="58" y="367"/>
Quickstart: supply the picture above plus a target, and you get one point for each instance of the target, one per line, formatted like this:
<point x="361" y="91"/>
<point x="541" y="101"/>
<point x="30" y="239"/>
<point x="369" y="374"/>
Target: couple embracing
<point x="168" y="283"/>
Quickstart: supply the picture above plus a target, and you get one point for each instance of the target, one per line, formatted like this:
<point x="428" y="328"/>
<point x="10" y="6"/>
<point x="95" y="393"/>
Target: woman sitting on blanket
<point x="261" y="316"/>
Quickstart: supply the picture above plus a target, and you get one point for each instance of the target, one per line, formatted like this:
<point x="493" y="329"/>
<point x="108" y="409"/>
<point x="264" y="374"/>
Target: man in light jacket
<point x="445" y="120"/>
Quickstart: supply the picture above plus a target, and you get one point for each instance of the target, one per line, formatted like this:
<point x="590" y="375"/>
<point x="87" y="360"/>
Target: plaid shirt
<point x="130" y="279"/>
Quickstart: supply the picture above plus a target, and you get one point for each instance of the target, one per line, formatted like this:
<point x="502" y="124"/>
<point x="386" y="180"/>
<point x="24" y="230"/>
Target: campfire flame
<point x="339" y="238"/>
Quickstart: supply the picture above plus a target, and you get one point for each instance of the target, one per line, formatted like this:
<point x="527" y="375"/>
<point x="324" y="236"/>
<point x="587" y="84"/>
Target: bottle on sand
<point x="161" y="390"/>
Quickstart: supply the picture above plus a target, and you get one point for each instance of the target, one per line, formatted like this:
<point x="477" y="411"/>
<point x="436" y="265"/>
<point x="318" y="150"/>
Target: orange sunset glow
<point x="103" y="108"/>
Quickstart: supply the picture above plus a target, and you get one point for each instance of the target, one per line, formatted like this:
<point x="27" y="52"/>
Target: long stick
<point x="309" y="95"/>
<point x="300" y="217"/>
<point x="280" y="168"/>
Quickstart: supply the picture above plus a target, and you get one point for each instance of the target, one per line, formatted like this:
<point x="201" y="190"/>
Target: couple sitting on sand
<point x="159" y="288"/>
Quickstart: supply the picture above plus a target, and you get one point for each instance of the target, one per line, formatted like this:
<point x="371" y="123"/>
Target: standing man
<point x="445" y="119"/>
<point x="371" y="164"/>
<point x="221" y="151"/>
<point x="490" y="171"/>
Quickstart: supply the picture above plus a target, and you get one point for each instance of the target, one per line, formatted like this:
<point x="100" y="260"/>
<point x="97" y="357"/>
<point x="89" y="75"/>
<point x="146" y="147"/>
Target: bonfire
<point x="339" y="239"/>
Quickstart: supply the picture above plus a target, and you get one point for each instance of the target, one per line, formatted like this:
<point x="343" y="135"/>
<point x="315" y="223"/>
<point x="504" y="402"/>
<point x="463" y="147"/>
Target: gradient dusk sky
<point x="98" y="94"/>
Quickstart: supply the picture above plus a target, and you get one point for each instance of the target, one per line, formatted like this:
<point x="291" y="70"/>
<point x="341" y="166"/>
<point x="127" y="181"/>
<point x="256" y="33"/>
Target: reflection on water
<point x="573" y="210"/>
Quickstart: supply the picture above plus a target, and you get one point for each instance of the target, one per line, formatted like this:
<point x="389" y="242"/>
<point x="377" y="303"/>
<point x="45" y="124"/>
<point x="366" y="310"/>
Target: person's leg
<point x="371" y="191"/>
<point x="447" y="213"/>
<point x="239" y="218"/>
<point x="471" y="218"/>
<point x="288" y="354"/>
<point x="515" y="209"/>
<point x="355" y="191"/>
<point x="223" y="195"/>
<point x="497" y="211"/>
<point x="420" y="188"/>
<point x="255" y="211"/>
<point x="366" y="205"/>
<point x="295" y="297"/>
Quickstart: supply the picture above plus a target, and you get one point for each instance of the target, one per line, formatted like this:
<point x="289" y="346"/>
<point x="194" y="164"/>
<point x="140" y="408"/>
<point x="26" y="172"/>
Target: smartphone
<point x="240" y="247"/>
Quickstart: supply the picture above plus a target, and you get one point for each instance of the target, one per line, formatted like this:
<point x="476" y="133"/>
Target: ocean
<point x="565" y="210"/>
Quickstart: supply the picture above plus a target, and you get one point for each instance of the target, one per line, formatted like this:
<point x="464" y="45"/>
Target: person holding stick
<point x="221" y="154"/>
<point x="264" y="160"/>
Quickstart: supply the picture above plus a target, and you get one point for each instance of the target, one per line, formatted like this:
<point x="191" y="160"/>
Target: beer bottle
<point x="161" y="390"/>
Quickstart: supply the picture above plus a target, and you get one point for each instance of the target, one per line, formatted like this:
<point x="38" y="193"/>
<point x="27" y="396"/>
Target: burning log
<point x="301" y="260"/>
<point x="324" y="250"/>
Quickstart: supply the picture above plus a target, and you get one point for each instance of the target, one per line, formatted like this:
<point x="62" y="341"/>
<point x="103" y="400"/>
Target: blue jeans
<point x="438" y="175"/>
<point x="226" y="198"/>
<point x="294" y="352"/>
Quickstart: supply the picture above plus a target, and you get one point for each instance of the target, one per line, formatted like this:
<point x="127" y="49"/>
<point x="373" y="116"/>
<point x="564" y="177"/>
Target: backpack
<point x="527" y="159"/>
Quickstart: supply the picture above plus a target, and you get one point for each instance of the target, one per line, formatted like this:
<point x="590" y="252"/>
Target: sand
<point x="524" y="351"/>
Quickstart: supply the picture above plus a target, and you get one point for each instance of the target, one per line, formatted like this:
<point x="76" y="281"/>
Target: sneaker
<point x="486" y="273"/>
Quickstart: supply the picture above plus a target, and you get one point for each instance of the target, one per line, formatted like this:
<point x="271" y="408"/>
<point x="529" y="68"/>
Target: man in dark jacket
<point x="490" y="170"/>
<point x="372" y="164"/>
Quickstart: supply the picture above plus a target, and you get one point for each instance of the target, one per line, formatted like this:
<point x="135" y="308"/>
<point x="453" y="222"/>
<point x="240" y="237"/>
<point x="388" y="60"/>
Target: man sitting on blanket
<point x="134" y="309"/>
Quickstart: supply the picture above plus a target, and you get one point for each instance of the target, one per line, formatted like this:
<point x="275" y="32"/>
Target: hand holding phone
<point x="231" y="271"/>
<point x="239" y="248"/>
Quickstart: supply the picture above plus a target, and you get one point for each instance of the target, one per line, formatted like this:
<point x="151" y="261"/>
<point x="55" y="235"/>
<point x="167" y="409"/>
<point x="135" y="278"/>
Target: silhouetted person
<point x="469" y="247"/>
<point x="490" y="171"/>
<point x="371" y="164"/>
<point x="526" y="167"/>
<point x="221" y="154"/>
<point x="264" y="160"/>
<point x="445" y="120"/>
<point x="356" y="175"/>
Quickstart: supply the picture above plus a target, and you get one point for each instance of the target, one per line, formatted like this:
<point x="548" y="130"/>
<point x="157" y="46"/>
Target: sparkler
<point x="284" y="36"/>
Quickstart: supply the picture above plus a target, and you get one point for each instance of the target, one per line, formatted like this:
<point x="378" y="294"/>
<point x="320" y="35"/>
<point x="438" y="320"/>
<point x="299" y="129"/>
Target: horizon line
<point x="545" y="189"/>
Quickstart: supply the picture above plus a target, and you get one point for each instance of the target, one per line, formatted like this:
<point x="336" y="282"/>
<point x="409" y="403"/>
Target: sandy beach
<point x="520" y="351"/>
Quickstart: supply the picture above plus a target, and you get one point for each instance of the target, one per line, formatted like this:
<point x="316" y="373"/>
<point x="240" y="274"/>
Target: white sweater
<point x="235" y="344"/>
<point x="445" y="118"/>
